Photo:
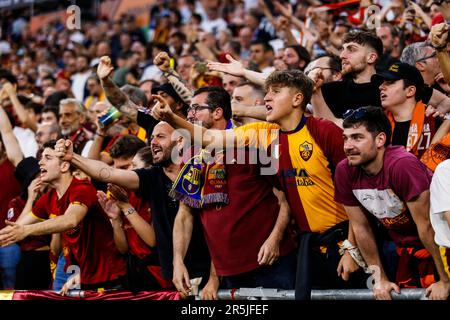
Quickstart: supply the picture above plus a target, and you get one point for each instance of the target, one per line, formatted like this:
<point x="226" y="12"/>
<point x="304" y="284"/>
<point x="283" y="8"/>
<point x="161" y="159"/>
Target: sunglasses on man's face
<point x="355" y="114"/>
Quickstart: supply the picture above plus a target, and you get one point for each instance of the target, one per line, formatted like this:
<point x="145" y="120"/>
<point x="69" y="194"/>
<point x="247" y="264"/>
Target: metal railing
<point x="336" y="294"/>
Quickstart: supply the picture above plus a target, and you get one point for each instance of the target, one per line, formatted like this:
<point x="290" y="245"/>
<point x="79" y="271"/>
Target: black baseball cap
<point x="399" y="71"/>
<point x="167" y="88"/>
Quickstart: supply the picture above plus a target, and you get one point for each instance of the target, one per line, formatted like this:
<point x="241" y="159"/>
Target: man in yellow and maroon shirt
<point x="72" y="208"/>
<point x="307" y="150"/>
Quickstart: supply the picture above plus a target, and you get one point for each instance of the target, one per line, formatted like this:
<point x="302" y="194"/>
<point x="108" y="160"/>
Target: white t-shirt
<point x="440" y="203"/>
<point x="78" y="84"/>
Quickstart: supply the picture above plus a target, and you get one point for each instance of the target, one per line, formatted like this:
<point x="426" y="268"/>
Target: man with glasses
<point x="393" y="185"/>
<point x="329" y="66"/>
<point x="424" y="57"/>
<point x="306" y="151"/>
<point x="246" y="236"/>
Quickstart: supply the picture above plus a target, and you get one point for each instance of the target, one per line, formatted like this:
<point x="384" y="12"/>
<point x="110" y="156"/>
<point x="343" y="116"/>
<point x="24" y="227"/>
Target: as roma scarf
<point x="415" y="127"/>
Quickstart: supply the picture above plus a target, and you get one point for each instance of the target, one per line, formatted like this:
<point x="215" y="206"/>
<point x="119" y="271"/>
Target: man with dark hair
<point x="216" y="97"/>
<point x="361" y="51"/>
<point x="252" y="216"/>
<point x="245" y="96"/>
<point x="261" y="56"/>
<point x="305" y="175"/>
<point x="328" y="65"/>
<point x="50" y="115"/>
<point x="392" y="48"/>
<point x="123" y="151"/>
<point x="401" y="92"/>
<point x="153" y="185"/>
<point x="71" y="207"/>
<point x="393" y="185"/>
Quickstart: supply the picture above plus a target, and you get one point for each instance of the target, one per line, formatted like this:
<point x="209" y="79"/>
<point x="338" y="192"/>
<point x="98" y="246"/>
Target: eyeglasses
<point x="194" y="108"/>
<point x="427" y="57"/>
<point x="356" y="114"/>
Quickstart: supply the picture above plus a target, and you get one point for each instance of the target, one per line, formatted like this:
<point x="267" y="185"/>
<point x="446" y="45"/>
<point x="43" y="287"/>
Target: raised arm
<point x="98" y="170"/>
<point x="162" y="61"/>
<point x="365" y="240"/>
<point x="115" y="217"/>
<point x="242" y="111"/>
<point x="113" y="93"/>
<point x="143" y="228"/>
<point x="10" y="143"/>
<point x="18" y="107"/>
<point x="420" y="208"/>
<point x="236" y="68"/>
<point x="200" y="136"/>
<point x="439" y="38"/>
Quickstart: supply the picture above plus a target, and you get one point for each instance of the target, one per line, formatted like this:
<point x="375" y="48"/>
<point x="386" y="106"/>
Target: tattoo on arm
<point x="180" y="88"/>
<point x="119" y="99"/>
<point x="113" y="93"/>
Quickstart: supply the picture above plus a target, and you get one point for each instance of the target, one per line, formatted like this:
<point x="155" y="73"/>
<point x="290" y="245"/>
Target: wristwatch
<point x="129" y="211"/>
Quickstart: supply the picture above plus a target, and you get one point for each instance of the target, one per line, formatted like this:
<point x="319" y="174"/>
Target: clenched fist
<point x="104" y="68"/>
<point x="162" y="61"/>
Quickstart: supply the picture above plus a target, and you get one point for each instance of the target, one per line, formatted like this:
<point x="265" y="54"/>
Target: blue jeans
<point x="9" y="258"/>
<point x="280" y="275"/>
<point x="60" y="276"/>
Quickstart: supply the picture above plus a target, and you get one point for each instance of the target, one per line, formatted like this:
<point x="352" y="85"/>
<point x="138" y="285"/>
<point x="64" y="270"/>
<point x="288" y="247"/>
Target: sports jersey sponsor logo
<point x="306" y="150"/>
<point x="301" y="177"/>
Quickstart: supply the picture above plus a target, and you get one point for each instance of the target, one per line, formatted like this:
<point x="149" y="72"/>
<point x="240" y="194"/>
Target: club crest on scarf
<point x="201" y="182"/>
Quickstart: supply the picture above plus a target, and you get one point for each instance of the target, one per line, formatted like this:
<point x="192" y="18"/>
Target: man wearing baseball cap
<point x="401" y="91"/>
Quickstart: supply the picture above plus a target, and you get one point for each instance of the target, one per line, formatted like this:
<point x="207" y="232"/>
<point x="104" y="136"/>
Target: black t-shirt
<point x="147" y="122"/>
<point x="155" y="186"/>
<point x="346" y="94"/>
<point x="400" y="134"/>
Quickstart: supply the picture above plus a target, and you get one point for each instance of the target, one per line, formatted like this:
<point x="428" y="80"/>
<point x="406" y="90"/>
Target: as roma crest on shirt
<point x="306" y="150"/>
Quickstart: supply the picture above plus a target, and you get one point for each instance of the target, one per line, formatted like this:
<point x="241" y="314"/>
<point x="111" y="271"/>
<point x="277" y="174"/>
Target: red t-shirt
<point x="16" y="206"/>
<point x="137" y="246"/>
<point x="91" y="243"/>
<point x="235" y="232"/>
<point x="402" y="178"/>
<point x="10" y="189"/>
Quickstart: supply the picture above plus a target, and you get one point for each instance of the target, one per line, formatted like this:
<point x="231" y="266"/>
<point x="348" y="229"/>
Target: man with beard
<point x="71" y="119"/>
<point x="71" y="207"/>
<point x="246" y="236"/>
<point x="393" y="185"/>
<point x="152" y="184"/>
<point x="296" y="57"/>
<point x="303" y="154"/>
